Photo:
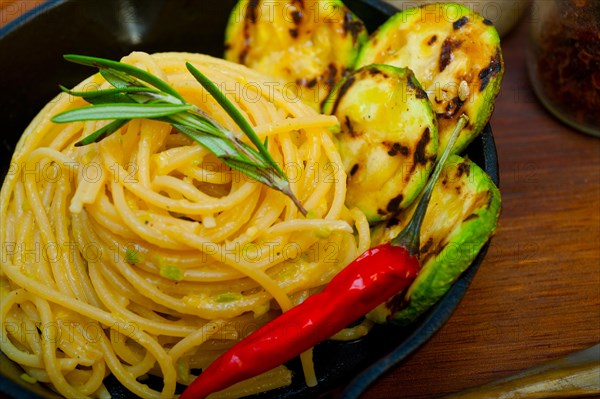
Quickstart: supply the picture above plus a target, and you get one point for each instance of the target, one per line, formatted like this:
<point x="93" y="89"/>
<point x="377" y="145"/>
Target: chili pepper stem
<point x="409" y="236"/>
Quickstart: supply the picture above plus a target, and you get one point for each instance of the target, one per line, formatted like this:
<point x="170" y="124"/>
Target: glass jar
<point x="564" y="60"/>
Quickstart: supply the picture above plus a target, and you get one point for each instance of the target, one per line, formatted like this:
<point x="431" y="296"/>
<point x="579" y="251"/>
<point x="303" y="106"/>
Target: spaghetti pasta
<point x="143" y="254"/>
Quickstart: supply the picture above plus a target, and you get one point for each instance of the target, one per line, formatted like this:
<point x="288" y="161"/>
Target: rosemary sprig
<point x="138" y="94"/>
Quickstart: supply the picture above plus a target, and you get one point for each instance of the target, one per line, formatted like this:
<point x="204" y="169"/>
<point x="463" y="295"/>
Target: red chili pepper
<point x="372" y="278"/>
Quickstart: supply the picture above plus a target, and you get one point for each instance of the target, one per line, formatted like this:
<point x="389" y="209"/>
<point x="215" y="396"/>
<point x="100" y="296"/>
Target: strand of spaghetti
<point x="22" y="233"/>
<point x="39" y="128"/>
<point x="146" y="62"/>
<point x="142" y="368"/>
<point x="149" y="290"/>
<point x="185" y="188"/>
<point x="278" y="98"/>
<point x="66" y="136"/>
<point x="311" y="151"/>
<point x="322" y="189"/>
<point x="135" y="387"/>
<point x="32" y="342"/>
<point x="181" y="206"/>
<point x="88" y="382"/>
<point x="195" y="339"/>
<point x="89" y="186"/>
<point x="105" y="214"/>
<point x="187" y="260"/>
<point x="152" y="137"/>
<point x="332" y="170"/>
<point x="141" y="284"/>
<point x="288" y="150"/>
<point x="81" y="287"/>
<point x="29" y="237"/>
<point x="49" y="351"/>
<point x="128" y="354"/>
<point x="153" y="327"/>
<point x="143" y="228"/>
<point x="339" y="177"/>
<point x="309" y="224"/>
<point x="137" y="366"/>
<point x="296" y="123"/>
<point x="15" y="211"/>
<point x="179" y="157"/>
<point x="362" y="226"/>
<point x="209" y="172"/>
<point x="41" y="218"/>
<point x="227" y="224"/>
<point x="79" y="342"/>
<point x="29" y="334"/>
<point x="272" y="379"/>
<point x="244" y="267"/>
<point x="103" y="317"/>
<point x="232" y="255"/>
<point x="13" y="352"/>
<point x="264" y="217"/>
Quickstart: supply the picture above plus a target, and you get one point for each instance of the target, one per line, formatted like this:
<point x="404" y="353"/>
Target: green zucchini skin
<point x="309" y="45"/>
<point x="445" y="45"/>
<point x="461" y="218"/>
<point x="388" y="138"/>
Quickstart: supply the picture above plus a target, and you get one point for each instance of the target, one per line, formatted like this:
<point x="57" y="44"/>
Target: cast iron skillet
<point x="31" y="49"/>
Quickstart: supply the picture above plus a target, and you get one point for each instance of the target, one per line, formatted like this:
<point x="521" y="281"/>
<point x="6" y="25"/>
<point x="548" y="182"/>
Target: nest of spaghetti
<point x="143" y="254"/>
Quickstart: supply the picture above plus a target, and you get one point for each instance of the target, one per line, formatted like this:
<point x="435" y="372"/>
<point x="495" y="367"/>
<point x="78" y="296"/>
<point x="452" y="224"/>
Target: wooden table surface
<point x="536" y="296"/>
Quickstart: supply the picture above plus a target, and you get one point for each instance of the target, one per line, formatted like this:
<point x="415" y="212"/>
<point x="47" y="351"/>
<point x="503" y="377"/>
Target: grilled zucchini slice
<point x="461" y="217"/>
<point x="388" y="139"/>
<point x="308" y="44"/>
<point x="454" y="52"/>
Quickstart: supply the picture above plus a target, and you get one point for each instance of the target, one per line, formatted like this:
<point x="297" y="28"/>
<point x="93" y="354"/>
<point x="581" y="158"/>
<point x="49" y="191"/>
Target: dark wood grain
<point x="537" y="294"/>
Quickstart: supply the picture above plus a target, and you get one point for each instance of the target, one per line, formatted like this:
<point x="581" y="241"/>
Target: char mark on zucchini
<point x="296" y="41"/>
<point x="397" y="148"/>
<point x="394" y="205"/>
<point x="341" y="93"/>
<point x="491" y="71"/>
<point x="455" y="56"/>
<point x="396" y="132"/>
<point x="459" y="23"/>
<point x="420" y="155"/>
<point x="352" y="25"/>
<point x="462" y="216"/>
<point x="251" y="11"/>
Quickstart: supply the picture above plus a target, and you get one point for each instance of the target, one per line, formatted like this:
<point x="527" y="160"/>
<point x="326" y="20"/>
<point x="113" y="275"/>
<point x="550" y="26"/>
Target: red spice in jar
<point x="568" y="60"/>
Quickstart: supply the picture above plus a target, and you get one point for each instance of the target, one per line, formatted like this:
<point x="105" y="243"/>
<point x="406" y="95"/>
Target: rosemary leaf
<point x="132" y="98"/>
<point x="110" y="98"/>
<point x="267" y="175"/>
<point x="202" y="125"/>
<point x="102" y="63"/>
<point x="219" y="146"/>
<point x="120" y="80"/>
<point x="103" y="132"/>
<point x="119" y="111"/>
<point x="103" y="92"/>
<point x="233" y="112"/>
